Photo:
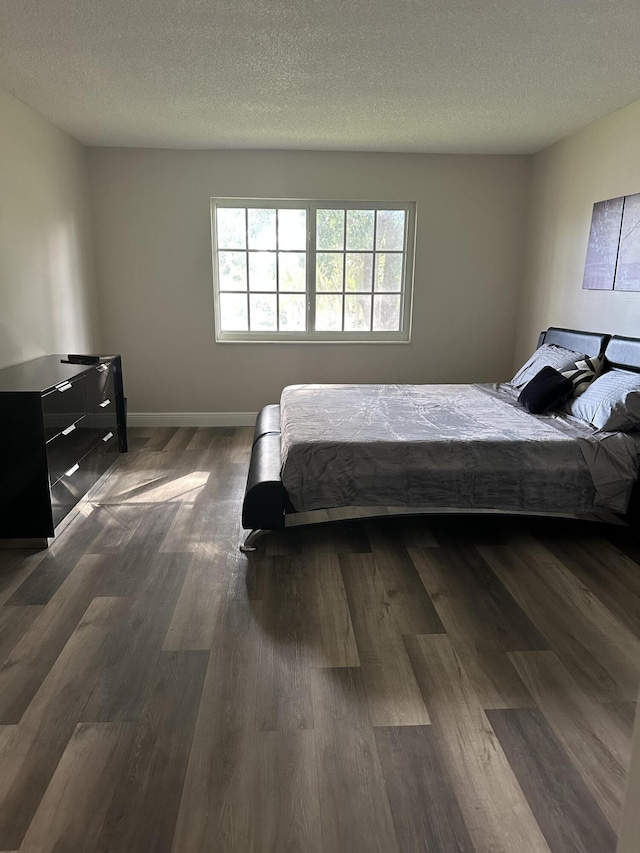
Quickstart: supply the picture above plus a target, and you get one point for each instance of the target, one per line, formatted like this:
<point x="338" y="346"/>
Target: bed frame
<point x="266" y="505"/>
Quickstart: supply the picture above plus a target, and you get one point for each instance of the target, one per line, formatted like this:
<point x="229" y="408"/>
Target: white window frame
<point x="311" y="335"/>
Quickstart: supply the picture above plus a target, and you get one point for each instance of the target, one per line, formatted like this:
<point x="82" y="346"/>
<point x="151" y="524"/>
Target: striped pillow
<point x="612" y="403"/>
<point x="583" y="373"/>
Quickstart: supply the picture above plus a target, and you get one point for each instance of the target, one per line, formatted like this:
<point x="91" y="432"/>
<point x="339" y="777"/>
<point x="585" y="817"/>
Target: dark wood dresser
<point x="61" y="427"/>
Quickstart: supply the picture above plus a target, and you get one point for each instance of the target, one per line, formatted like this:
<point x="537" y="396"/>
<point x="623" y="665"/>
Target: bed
<point x="340" y="451"/>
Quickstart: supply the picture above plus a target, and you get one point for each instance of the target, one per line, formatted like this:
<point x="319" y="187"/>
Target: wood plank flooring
<point x="446" y="685"/>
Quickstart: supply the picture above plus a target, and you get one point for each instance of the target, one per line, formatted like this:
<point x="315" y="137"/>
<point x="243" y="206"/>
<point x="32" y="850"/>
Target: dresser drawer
<point x="69" y="489"/>
<point x="105" y="418"/>
<point x="76" y="481"/>
<point x="68" y="447"/>
<point x="100" y="389"/>
<point x="101" y="399"/>
<point x="63" y="406"/>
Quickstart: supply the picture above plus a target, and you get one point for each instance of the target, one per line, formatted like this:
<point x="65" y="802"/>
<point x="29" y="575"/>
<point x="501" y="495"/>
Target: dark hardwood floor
<point x="451" y="685"/>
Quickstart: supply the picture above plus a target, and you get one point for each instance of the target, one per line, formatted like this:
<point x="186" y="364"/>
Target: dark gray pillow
<point x="548" y="355"/>
<point x="547" y="389"/>
<point x="611" y="402"/>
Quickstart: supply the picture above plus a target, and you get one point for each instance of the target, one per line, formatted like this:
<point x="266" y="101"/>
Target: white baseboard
<point x="190" y="419"/>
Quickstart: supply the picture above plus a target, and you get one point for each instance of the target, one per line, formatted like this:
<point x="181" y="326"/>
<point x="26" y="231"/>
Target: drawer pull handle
<point x="64" y="386"/>
<point x="68" y="429"/>
<point x="71" y="471"/>
<point x="105" y="403"/>
<point x="108" y="436"/>
<point x="102" y="367"/>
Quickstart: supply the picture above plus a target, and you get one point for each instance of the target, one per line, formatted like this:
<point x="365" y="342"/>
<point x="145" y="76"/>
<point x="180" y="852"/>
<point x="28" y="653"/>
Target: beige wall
<point x="47" y="289"/>
<point x="153" y="250"/>
<point x="596" y="163"/>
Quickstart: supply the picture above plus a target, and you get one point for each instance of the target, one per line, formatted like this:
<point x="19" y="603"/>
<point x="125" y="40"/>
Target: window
<point x="312" y="271"/>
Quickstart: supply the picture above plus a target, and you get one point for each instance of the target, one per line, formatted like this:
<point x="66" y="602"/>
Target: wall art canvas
<point x="604" y="237"/>
<point x="628" y="268"/>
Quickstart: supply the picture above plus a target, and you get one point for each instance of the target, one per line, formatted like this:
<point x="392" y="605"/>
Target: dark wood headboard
<point x="590" y="343"/>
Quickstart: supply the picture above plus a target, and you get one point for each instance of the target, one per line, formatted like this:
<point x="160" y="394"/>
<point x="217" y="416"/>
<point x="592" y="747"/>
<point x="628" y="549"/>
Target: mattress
<point x="446" y="446"/>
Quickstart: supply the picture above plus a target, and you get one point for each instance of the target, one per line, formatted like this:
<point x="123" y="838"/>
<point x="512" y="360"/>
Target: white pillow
<point x="549" y="355"/>
<point x="611" y="402"/>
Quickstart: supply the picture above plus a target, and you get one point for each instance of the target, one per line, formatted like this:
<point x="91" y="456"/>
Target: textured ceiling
<point x="376" y="75"/>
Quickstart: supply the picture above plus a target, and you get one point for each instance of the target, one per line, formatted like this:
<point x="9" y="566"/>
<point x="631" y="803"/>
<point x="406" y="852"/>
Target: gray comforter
<point x="446" y="446"/>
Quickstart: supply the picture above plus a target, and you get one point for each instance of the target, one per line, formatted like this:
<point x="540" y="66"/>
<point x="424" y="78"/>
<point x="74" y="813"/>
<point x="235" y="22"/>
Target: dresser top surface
<point x="44" y="373"/>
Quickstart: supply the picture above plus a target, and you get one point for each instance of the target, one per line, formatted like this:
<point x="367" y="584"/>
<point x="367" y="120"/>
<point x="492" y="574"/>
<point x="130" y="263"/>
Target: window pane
<point x="231" y="233"/>
<point x="262" y="228"/>
<point x="293" y="313"/>
<point x="330" y="229"/>
<point x="390" y="230"/>
<point x="292" y="229"/>
<point x="360" y="229"/>
<point x="328" y="313"/>
<point x="359" y="269"/>
<point x="357" y="313"/>
<point x="329" y="271"/>
<point x="293" y="270"/>
<point x="262" y="270"/>
<point x="232" y="270"/>
<point x="386" y="313"/>
<point x="233" y="312"/>
<point x="263" y="312"/>
<point x="389" y="271"/>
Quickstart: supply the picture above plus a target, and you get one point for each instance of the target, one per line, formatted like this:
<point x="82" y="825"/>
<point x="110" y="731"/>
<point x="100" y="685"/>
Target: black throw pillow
<point x="547" y="388"/>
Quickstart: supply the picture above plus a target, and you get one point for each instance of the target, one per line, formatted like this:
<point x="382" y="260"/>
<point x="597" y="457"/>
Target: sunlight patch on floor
<point x="165" y="489"/>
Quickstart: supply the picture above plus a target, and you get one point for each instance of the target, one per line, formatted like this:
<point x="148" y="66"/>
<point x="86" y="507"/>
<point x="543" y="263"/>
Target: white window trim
<point x="311" y="336"/>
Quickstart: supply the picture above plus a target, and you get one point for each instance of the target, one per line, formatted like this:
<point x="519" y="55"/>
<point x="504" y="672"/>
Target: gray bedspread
<point x="446" y="446"/>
